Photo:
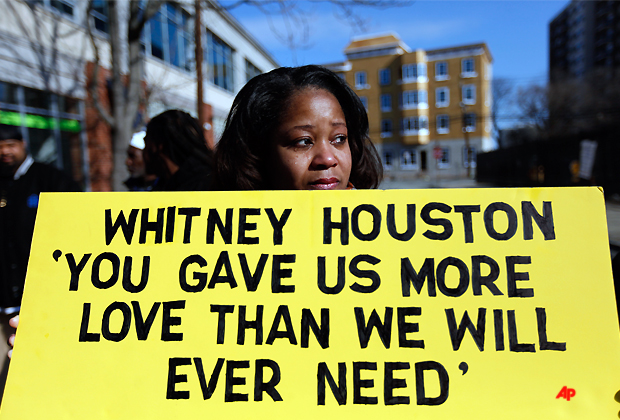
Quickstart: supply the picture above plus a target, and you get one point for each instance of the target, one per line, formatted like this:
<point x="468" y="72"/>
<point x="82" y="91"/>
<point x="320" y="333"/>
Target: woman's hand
<point x="13" y="322"/>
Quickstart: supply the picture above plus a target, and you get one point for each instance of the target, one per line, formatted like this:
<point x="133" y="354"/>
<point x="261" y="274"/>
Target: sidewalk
<point x="612" y="208"/>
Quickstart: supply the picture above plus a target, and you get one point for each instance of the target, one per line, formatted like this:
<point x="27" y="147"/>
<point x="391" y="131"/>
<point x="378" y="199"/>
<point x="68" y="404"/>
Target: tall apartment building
<point x="584" y="37"/>
<point x="46" y="59"/>
<point x="429" y="111"/>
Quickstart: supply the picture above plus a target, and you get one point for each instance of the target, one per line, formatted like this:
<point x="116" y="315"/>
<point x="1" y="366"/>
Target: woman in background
<point x="176" y="152"/>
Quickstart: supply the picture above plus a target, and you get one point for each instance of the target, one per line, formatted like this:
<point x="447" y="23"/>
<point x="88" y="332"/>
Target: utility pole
<point x="199" y="56"/>
<point x="466" y="136"/>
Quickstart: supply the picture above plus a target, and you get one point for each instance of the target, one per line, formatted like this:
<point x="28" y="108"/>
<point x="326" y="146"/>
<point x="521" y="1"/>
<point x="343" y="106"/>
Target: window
<point x="360" y="80"/>
<point x="442" y="97"/>
<point x="469" y="122"/>
<point x="441" y="71"/>
<point x="63" y="6"/>
<point x="415" y="125"/>
<point x="385" y="76"/>
<point x="386" y="102"/>
<point x="414" y="72"/>
<point x="409" y="159"/>
<point x="220" y="62"/>
<point x="414" y="99"/>
<point x="386" y="128"/>
<point x="469" y="157"/>
<point x="251" y="70"/>
<point x="364" y="102"/>
<point x="8" y="93"/>
<point x="387" y="160"/>
<point x="444" y="159"/>
<point x="443" y="124"/>
<point x="469" y="94"/>
<point x="467" y="67"/>
<point x="170" y="36"/>
<point x="100" y="14"/>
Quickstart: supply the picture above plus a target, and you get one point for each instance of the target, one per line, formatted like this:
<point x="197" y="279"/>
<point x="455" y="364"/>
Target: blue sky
<point x="515" y="31"/>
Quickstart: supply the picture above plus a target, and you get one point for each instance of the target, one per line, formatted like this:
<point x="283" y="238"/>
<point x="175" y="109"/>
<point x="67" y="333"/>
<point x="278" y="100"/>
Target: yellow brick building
<point x="429" y="111"/>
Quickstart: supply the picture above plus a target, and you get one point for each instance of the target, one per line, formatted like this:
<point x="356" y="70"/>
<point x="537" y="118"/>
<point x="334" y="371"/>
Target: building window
<point x="251" y="70"/>
<point x="415" y="125"/>
<point x="386" y="102"/>
<point x="99" y="15"/>
<point x="469" y="122"/>
<point x="364" y="102"/>
<point x="409" y="160"/>
<point x="443" y="124"/>
<point x="441" y="71"/>
<point x="414" y="72"/>
<point x="65" y="7"/>
<point x="469" y="157"/>
<point x="386" y="128"/>
<point x="360" y="80"/>
<point x="469" y="94"/>
<point x="387" y="160"/>
<point x="414" y="99"/>
<point x="467" y="68"/>
<point x="171" y="35"/>
<point x="220" y="62"/>
<point x="442" y="97"/>
<point x="444" y="158"/>
<point x="385" y="77"/>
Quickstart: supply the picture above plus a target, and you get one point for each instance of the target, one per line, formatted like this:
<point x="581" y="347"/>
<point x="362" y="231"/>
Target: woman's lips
<point x="325" y="184"/>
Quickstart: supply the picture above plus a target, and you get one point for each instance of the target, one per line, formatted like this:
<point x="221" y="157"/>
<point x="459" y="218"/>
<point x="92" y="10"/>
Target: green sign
<point x="40" y="122"/>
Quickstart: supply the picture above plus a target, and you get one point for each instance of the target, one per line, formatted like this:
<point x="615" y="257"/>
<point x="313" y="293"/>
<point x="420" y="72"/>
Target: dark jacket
<point x="193" y="175"/>
<point x="19" y="200"/>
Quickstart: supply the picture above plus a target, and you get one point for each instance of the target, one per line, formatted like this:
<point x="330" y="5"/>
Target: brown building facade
<point x="429" y="111"/>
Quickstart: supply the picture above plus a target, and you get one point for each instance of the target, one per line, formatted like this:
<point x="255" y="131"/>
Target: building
<point x="46" y="64"/>
<point x="584" y="37"/>
<point x="429" y="111"/>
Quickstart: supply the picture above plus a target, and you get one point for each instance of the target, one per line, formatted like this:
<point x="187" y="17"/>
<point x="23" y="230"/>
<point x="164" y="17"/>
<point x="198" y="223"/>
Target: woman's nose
<point x="324" y="156"/>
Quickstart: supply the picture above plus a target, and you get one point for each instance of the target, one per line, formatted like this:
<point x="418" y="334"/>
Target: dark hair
<point x="256" y="112"/>
<point x="10" y="132"/>
<point x="180" y="135"/>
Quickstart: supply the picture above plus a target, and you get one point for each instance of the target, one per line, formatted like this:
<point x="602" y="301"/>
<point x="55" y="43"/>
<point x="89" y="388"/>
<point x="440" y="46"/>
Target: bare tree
<point x="56" y="71"/>
<point x="127" y="69"/>
<point x="501" y="91"/>
<point x="533" y="104"/>
<point x="288" y="19"/>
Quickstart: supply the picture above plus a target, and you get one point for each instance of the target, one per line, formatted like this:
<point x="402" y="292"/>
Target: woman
<point x="176" y="152"/>
<point x="297" y="128"/>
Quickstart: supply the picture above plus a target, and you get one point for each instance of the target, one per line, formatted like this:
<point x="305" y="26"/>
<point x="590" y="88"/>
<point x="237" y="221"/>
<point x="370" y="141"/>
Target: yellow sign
<point x="433" y="304"/>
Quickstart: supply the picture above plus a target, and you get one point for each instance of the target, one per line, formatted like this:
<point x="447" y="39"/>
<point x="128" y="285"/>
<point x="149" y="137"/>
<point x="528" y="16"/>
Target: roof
<point x="461" y="48"/>
<point x="376" y="41"/>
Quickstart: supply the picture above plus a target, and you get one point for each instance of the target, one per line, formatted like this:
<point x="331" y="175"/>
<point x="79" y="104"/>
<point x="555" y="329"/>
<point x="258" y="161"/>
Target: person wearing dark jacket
<point x="21" y="181"/>
<point x="176" y="151"/>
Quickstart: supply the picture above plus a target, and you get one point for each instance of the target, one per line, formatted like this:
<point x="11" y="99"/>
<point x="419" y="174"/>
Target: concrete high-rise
<point x="584" y="40"/>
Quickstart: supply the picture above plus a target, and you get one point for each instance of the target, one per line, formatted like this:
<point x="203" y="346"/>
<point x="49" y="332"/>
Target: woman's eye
<point x="303" y="142"/>
<point x="340" y="139"/>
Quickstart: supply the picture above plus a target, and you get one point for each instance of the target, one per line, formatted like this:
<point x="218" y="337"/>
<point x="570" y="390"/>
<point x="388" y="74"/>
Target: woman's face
<point x="310" y="148"/>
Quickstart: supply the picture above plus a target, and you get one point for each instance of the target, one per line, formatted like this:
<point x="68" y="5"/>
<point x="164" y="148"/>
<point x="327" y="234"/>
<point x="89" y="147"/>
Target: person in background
<point x="176" y="151"/>
<point x="297" y="128"/>
<point x="138" y="179"/>
<point x="21" y="181"/>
